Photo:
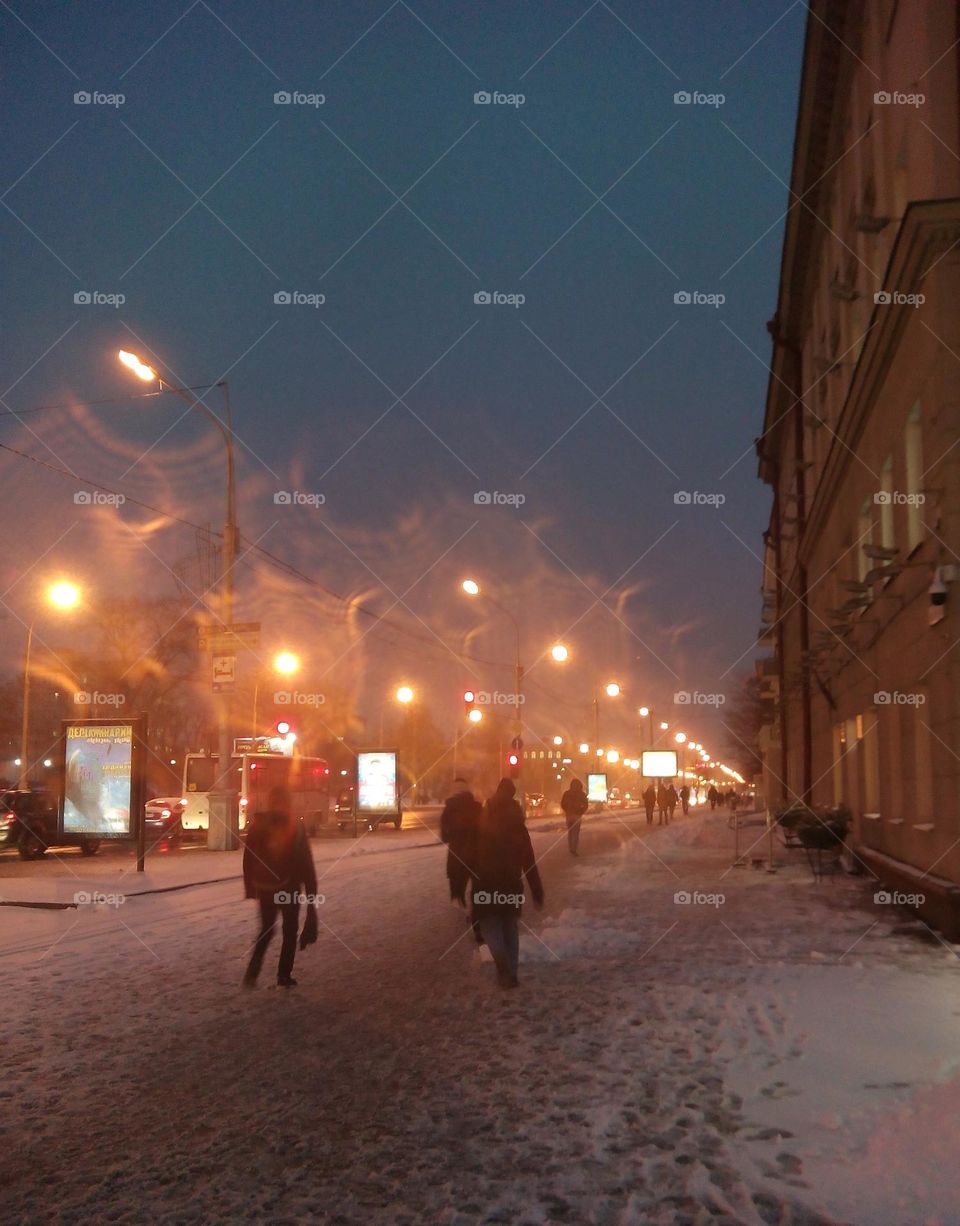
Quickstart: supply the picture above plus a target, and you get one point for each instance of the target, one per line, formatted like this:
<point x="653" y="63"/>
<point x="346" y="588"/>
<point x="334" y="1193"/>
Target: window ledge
<point x="895" y="821"/>
<point x="871" y="817"/>
<point x="924" y="826"/>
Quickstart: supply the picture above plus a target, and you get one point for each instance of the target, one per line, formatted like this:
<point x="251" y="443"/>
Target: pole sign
<point x="228" y="640"/>
<point x="659" y="764"/>
<point x="224" y="673"/>
<point x="103" y="764"/>
<point x="597" y="788"/>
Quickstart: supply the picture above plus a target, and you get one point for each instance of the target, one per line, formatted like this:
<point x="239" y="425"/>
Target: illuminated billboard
<point x="101" y="765"/>
<point x="597" y="788"/>
<point x="377" y="781"/>
<point x="659" y="763"/>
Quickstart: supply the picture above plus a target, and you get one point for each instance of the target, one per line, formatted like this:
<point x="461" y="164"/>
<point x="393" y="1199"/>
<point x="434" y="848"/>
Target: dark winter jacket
<point x="502" y="856"/>
<point x="277" y="856"/>
<point x="574" y="802"/>
<point x="458" y="824"/>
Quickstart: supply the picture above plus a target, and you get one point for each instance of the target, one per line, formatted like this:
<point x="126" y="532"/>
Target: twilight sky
<point x="399" y="198"/>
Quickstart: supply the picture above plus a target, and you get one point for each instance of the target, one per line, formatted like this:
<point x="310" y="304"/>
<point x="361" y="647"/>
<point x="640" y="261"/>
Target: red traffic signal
<point x="283" y="727"/>
<point x="469" y="702"/>
<point x="513" y="764"/>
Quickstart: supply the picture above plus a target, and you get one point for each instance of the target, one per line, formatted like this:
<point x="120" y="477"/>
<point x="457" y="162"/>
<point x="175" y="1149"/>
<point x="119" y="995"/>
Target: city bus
<point x="308" y="780"/>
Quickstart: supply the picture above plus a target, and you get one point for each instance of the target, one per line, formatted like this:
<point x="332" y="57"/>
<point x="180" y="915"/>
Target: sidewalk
<point x="55" y="880"/>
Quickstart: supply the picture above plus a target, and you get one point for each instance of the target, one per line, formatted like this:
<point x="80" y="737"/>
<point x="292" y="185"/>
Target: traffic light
<point x="513" y="764"/>
<point x="469" y="702"/>
<point x="283" y="727"/>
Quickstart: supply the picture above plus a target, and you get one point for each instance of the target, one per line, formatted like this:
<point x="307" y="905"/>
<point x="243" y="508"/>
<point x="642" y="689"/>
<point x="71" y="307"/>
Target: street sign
<point x="225" y="639"/>
<point x="516" y="743"/>
<point x="224" y="673"/>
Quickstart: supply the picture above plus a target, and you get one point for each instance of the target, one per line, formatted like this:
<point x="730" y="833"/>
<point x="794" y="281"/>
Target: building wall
<point x="878" y="386"/>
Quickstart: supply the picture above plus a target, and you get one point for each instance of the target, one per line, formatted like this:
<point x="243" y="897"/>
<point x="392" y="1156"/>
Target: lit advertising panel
<point x="659" y="763"/>
<point x="597" y="788"/>
<point x="377" y="781"/>
<point x="99" y="779"/>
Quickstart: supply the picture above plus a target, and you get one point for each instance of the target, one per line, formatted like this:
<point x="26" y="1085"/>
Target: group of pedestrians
<point x="489" y="860"/>
<point x="665" y="798"/>
<point x="716" y="797"/>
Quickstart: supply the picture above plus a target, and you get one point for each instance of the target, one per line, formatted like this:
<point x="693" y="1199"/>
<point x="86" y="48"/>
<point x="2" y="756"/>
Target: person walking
<point x="661" y="803"/>
<point x="502" y="856"/>
<point x="574" y="804"/>
<point x="713" y="796"/>
<point x="672" y="799"/>
<point x="649" y="802"/>
<point x="458" y="823"/>
<point x="685" y="798"/>
<point x="277" y="865"/>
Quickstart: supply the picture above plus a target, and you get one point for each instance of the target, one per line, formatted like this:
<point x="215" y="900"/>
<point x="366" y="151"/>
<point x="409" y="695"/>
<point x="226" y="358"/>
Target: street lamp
<point x="63" y="596"/>
<point x="584" y="747"/>
<point x="222" y="832"/>
<point x="558" y="740"/>
<point x="404" y="694"/>
<point x="560" y="652"/>
<point x="472" y="588"/>
<point x="284" y="664"/>
<point x="612" y="690"/>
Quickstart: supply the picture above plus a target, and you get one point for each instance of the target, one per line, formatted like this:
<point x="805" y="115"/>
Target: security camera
<point x="938" y="590"/>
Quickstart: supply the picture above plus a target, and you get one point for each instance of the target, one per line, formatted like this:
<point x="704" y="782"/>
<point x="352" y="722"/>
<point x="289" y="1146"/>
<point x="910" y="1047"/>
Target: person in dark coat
<point x="649" y="802"/>
<point x="672" y="799"/>
<point x="277" y="866"/>
<point x="502" y="856"/>
<point x="662" y="799"/>
<point x="713" y="796"/>
<point x="685" y="798"/>
<point x="574" y="804"/>
<point x="458" y="823"/>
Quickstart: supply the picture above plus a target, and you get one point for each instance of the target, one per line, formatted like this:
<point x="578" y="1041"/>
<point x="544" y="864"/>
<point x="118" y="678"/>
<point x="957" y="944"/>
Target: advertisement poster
<point x="597" y="788"/>
<point x="377" y="782"/>
<point x="659" y="763"/>
<point x="98" y="779"/>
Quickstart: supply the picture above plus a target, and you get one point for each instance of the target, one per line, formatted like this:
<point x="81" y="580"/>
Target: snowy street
<point x="775" y="1051"/>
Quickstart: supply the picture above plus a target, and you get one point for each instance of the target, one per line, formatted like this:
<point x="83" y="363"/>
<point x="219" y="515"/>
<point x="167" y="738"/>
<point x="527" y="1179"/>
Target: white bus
<point x="308" y="780"/>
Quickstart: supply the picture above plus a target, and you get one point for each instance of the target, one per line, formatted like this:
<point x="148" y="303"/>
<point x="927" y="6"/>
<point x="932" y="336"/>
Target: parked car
<point x="615" y="799"/>
<point x="28" y="822"/>
<point x="535" y="802"/>
<point x="161" y="816"/>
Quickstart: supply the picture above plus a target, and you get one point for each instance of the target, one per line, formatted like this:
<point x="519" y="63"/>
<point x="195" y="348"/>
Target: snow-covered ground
<point x="785" y="1054"/>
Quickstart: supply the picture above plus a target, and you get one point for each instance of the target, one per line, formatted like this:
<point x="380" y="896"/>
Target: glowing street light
<point x="560" y="652"/>
<point x="63" y="595"/>
<point x="475" y="716"/>
<point x="584" y="747"/>
<point x="664" y="725"/>
<point x="140" y="369"/>
<point x="680" y="738"/>
<point x="644" y="712"/>
<point x="612" y="689"/>
<point x="471" y="587"/>
<point x="613" y="756"/>
<point x="286" y="663"/>
<point x="558" y="740"/>
<point x="404" y="694"/>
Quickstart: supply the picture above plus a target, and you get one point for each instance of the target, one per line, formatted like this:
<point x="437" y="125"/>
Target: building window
<point x="923" y="764"/>
<point x="839" y="749"/>
<point x="864" y="537"/>
<point x="886" y="504"/>
<point x="913" y="451"/>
